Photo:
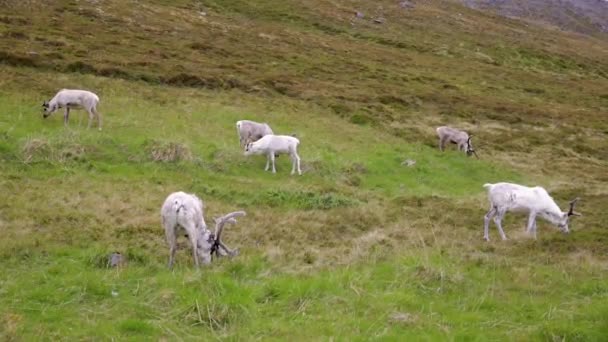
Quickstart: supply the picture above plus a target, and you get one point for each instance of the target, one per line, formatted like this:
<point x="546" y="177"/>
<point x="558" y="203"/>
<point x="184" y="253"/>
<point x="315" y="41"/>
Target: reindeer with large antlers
<point x="182" y="211"/>
<point x="455" y="136"/>
<point x="508" y="197"/>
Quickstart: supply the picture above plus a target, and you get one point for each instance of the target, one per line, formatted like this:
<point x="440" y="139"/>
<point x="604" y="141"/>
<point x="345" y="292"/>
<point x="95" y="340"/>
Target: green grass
<point x="360" y="246"/>
<point x="418" y="295"/>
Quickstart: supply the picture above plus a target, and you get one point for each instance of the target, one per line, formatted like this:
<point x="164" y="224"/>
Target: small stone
<point x="409" y="162"/>
<point x="115" y="260"/>
<point x="359" y="15"/>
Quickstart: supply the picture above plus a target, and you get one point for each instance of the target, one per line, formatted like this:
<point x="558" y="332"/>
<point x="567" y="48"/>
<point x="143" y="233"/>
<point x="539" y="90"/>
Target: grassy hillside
<point x="359" y="247"/>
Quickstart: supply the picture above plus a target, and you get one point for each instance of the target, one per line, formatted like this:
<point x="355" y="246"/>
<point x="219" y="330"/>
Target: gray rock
<point x="115" y="260"/>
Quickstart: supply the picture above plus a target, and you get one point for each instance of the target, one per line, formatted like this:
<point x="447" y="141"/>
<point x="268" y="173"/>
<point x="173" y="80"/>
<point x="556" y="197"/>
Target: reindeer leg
<point x="531" y="224"/>
<point x="99" y="119"/>
<point x="171" y="239"/>
<point x="192" y="234"/>
<point x="298" y="164"/>
<point x="66" y="116"/>
<point x="91" y="116"/>
<point x="498" y="221"/>
<point x="442" y="143"/>
<point x="486" y="223"/>
<point x="271" y="155"/>
<point x="267" y="162"/>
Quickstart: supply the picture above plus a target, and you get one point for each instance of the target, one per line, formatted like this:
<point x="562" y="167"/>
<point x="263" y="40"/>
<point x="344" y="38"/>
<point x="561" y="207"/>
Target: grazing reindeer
<point x="250" y="131"/>
<point x="455" y="136"/>
<point x="72" y="98"/>
<point x="505" y="197"/>
<point x="182" y="211"/>
<point x="272" y="145"/>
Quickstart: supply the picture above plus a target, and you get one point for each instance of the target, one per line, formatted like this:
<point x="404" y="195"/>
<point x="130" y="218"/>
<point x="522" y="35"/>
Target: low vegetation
<point x="363" y="245"/>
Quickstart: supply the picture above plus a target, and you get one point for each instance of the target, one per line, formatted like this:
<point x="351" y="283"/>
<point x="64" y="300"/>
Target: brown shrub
<point x="168" y="152"/>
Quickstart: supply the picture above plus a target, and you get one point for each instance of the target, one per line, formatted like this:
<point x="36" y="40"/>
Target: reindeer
<point x="455" y="136"/>
<point x="73" y="98"/>
<point x="251" y="131"/>
<point x="273" y="145"/>
<point x="182" y="211"/>
<point x="505" y="197"/>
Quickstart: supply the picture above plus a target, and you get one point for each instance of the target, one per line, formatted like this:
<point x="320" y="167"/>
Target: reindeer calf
<point x="272" y="145"/>
<point x="73" y="98"/>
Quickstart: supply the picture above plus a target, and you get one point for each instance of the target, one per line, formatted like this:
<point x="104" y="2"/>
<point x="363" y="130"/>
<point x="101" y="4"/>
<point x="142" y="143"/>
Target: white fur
<point x="182" y="211"/>
<point x="73" y="98"/>
<point x="508" y="197"/>
<point x="276" y="144"/>
<point x="250" y="131"/>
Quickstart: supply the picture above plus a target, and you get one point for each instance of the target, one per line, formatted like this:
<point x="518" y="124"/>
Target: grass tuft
<point x="167" y="151"/>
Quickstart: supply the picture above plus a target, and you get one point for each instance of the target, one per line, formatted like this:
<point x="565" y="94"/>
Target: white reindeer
<point x="73" y="98"/>
<point x="182" y="211"/>
<point x="505" y="197"/>
<point x="250" y="131"/>
<point x="276" y="144"/>
<point x="455" y="136"/>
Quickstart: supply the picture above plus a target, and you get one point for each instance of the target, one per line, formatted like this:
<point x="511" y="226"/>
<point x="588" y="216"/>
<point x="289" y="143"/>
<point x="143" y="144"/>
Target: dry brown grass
<point x="168" y="152"/>
<point x="43" y="150"/>
<point x="35" y="149"/>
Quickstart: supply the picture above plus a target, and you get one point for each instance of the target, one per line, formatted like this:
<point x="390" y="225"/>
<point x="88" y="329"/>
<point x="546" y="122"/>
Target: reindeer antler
<point x="219" y="228"/>
<point x="571" y="212"/>
<point x="228" y="218"/>
<point x="469" y="149"/>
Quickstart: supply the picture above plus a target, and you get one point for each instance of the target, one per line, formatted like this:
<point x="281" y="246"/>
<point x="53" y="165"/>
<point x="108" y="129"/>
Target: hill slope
<point x="360" y="246"/>
<point x="583" y="16"/>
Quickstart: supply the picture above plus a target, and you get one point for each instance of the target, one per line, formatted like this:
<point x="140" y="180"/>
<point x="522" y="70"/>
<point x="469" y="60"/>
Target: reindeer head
<point x="249" y="147"/>
<point x="46" y="109"/>
<point x="470" y="149"/>
<point x="563" y="224"/>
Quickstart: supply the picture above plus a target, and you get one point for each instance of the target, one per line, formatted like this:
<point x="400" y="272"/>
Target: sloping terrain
<point x="359" y="247"/>
<point x="583" y="16"/>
